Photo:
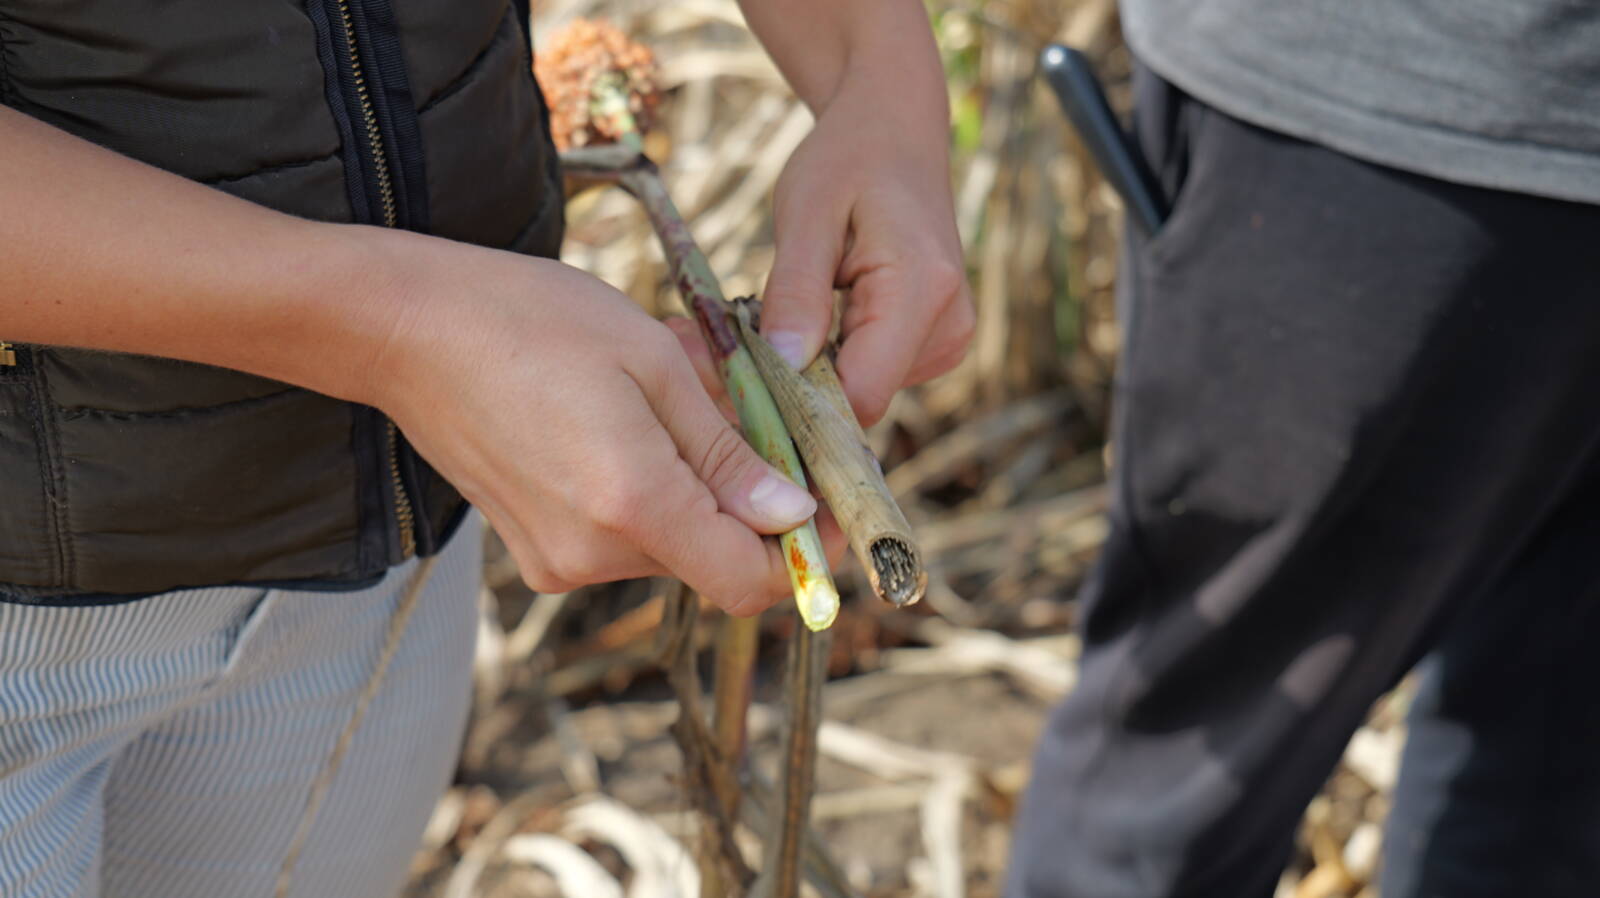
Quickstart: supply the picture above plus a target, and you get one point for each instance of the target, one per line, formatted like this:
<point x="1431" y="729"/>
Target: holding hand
<point x="574" y="422"/>
<point x="864" y="205"/>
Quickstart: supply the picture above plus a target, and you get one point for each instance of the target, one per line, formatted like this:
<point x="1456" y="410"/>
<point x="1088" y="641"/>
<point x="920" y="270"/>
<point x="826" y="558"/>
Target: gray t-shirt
<point x="1496" y="93"/>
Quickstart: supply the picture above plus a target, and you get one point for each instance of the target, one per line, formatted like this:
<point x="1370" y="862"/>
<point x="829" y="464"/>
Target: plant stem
<point x="711" y="780"/>
<point x="714" y="757"/>
<point x="737" y="640"/>
<point x="808" y="657"/>
<point x="815" y="593"/>
<point x="818" y="415"/>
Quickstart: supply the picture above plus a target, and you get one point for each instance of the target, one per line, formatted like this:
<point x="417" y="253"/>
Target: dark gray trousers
<point x="1358" y="424"/>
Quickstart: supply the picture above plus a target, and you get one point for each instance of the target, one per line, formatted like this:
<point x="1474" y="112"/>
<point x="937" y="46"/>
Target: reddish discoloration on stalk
<point x="797" y="562"/>
<point x="714" y="324"/>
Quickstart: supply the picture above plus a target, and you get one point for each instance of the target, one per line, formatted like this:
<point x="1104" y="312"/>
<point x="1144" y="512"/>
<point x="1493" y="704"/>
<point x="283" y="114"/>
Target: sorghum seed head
<point x="585" y="55"/>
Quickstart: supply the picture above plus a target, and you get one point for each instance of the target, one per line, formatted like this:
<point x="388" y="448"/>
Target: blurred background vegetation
<point x="568" y="782"/>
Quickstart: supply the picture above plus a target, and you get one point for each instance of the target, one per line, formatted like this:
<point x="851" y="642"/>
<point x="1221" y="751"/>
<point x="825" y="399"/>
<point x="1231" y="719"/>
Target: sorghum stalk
<point x="815" y="593"/>
<point x="807" y="669"/>
<point x="836" y="453"/>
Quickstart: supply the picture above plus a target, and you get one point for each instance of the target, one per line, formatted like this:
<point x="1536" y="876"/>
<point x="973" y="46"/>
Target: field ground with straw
<point x="570" y="782"/>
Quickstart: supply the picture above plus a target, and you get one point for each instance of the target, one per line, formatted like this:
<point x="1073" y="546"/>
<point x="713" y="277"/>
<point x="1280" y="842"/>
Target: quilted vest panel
<point x="129" y="475"/>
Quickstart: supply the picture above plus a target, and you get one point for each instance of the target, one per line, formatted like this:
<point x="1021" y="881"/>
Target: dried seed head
<point x="585" y="69"/>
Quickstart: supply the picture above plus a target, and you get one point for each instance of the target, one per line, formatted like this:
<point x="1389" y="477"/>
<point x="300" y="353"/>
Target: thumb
<point x="797" y="305"/>
<point x="745" y="486"/>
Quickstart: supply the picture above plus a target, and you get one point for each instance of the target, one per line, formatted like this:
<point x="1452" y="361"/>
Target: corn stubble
<point x="601" y="90"/>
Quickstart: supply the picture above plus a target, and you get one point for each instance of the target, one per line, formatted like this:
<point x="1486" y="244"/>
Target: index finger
<point x="884" y="331"/>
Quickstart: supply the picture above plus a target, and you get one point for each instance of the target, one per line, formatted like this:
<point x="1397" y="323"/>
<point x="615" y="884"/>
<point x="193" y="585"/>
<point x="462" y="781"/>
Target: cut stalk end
<point x="815" y="595"/>
<point x="896" y="572"/>
<point x="830" y="440"/>
<point x="819" y="604"/>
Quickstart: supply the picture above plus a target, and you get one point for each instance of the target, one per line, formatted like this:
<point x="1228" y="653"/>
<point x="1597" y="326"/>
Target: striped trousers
<point x="166" y="747"/>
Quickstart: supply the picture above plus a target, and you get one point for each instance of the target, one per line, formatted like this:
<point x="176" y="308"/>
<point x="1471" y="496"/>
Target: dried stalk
<point x="849" y="477"/>
<point x="737" y="641"/>
<point x="821" y="871"/>
<point x="710" y="779"/>
<point x="808" y="657"/>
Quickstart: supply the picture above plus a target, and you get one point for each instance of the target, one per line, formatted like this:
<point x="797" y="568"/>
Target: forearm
<point x="824" y="46"/>
<point x="100" y="251"/>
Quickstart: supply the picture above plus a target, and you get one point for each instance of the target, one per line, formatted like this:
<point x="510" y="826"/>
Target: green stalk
<point x="814" y="590"/>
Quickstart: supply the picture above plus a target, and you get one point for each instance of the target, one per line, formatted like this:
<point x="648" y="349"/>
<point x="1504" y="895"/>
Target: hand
<point x="578" y="427"/>
<point x="864" y="204"/>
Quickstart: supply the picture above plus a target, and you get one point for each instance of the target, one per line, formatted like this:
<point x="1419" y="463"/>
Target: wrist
<point x="891" y="92"/>
<point x="890" y="56"/>
<point x="358" y="287"/>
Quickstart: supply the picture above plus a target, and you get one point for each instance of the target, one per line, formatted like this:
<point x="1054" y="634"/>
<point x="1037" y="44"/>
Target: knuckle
<point x="535" y="573"/>
<point x="660" y="352"/>
<point x="963" y="327"/>
<point x="872" y="405"/>
<point x="723" y="458"/>
<point x="651" y="353"/>
<point x="945" y="276"/>
<point x="748" y="605"/>
<point x="578" y="566"/>
<point x="946" y="361"/>
<point x="617" y="505"/>
<point x="544" y="580"/>
<point x="964" y="316"/>
<point x="741" y="598"/>
<point x="789" y="290"/>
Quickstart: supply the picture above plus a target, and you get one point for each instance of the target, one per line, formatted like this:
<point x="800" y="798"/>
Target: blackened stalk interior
<point x="899" y="574"/>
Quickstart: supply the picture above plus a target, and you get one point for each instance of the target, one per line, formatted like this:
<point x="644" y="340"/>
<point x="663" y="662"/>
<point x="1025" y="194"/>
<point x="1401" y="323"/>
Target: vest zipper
<point x="380" y="162"/>
<point x="405" y="517"/>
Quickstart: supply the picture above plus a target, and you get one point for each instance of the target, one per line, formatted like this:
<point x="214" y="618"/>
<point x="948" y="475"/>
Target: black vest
<point x="127" y="475"/>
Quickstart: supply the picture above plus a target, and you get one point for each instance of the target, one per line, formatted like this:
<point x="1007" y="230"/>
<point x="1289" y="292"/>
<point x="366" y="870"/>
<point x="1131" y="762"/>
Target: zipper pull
<point x="8" y="356"/>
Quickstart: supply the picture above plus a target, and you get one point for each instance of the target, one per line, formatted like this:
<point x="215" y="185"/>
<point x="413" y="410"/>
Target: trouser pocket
<point x="86" y="679"/>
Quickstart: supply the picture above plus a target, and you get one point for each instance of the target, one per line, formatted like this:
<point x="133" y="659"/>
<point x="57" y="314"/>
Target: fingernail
<point x="791" y="346"/>
<point x="777" y="499"/>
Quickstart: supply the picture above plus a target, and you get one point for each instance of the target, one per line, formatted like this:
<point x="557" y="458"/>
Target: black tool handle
<point x="1084" y="101"/>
